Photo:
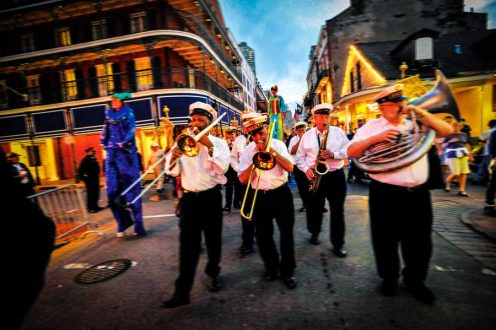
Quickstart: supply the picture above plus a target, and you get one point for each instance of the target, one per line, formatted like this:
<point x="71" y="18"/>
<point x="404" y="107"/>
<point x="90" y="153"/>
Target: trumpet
<point x="262" y="161"/>
<point x="186" y="143"/>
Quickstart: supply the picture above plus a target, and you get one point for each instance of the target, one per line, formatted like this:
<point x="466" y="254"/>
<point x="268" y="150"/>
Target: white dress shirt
<point x="410" y="176"/>
<point x="202" y="172"/>
<point x="294" y="140"/>
<point x="238" y="146"/>
<point x="309" y="147"/>
<point x="270" y="179"/>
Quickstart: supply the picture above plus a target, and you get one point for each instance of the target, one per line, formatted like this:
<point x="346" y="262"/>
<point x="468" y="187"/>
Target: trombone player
<point x="325" y="144"/>
<point x="201" y="179"/>
<point x="273" y="200"/>
<point x="400" y="206"/>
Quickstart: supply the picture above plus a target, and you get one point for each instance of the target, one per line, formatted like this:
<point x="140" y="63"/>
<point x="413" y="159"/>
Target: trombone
<point x="189" y="147"/>
<point x="262" y="161"/>
<point x="188" y="144"/>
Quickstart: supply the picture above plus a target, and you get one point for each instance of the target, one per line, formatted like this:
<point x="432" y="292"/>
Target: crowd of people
<point x="255" y="165"/>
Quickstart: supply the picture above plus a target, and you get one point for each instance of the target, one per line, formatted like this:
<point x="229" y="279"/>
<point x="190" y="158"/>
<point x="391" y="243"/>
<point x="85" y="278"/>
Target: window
<point x="99" y="29"/>
<point x="27" y="43"/>
<point x="70" y="85"/>
<point x="143" y="73"/>
<point x="33" y="83"/>
<point x="64" y="36"/>
<point x="423" y="49"/>
<point x="105" y="79"/>
<point x="138" y="22"/>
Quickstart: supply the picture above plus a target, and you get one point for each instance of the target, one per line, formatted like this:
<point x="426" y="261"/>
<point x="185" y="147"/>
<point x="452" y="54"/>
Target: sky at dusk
<point x="282" y="31"/>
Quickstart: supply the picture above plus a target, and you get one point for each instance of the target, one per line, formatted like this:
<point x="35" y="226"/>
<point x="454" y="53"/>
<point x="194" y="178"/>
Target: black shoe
<point x="213" y="284"/>
<point x="490" y="211"/>
<point x="245" y="250"/>
<point x="226" y="209"/>
<point x="289" y="282"/>
<point x="325" y="210"/>
<point x="302" y="209"/>
<point x="270" y="277"/>
<point x="421" y="292"/>
<point x="314" y="240"/>
<point x="340" y="253"/>
<point x="388" y="287"/>
<point x="175" y="301"/>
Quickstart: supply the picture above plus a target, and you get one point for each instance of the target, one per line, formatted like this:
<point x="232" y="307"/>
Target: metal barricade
<point x="64" y="205"/>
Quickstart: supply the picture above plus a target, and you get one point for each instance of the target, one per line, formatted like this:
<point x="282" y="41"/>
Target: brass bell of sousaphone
<point x="411" y="146"/>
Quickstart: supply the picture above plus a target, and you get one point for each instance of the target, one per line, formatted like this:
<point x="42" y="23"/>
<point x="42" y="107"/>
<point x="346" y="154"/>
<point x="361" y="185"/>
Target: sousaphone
<point x="412" y="145"/>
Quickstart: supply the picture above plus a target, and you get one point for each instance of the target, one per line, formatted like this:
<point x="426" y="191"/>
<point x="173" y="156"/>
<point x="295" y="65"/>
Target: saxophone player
<point x="332" y="184"/>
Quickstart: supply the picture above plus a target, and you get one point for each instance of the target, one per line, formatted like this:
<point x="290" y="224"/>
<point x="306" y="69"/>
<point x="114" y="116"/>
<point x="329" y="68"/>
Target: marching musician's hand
<point x="176" y="153"/>
<point x="390" y="135"/>
<point x="326" y="154"/>
<point x="261" y="145"/>
<point x="310" y="175"/>
<point x="206" y="141"/>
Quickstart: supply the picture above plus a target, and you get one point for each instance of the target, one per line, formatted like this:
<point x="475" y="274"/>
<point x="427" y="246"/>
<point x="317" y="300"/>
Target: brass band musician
<point x="201" y="211"/>
<point x="274" y="201"/>
<point x="332" y="184"/>
<point x="399" y="203"/>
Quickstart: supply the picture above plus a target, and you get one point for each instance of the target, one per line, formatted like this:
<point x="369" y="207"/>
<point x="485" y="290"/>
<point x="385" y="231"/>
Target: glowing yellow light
<point x="353" y="55"/>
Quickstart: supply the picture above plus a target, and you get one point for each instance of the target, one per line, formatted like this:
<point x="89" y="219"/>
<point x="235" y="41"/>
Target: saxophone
<point x="320" y="168"/>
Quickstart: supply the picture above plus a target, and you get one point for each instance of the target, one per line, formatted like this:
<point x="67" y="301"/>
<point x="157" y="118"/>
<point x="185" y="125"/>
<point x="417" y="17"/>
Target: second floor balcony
<point x="50" y="90"/>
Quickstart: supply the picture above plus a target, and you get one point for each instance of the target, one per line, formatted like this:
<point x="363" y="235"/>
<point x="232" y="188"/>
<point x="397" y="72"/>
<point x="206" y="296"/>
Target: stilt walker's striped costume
<point x="277" y="112"/>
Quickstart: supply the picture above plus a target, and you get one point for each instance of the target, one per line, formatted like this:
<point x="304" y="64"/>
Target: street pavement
<point x="331" y="293"/>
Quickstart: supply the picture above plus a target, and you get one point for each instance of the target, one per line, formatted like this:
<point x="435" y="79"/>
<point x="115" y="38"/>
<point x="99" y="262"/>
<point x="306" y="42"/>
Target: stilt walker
<point x="277" y="112"/>
<point x="122" y="165"/>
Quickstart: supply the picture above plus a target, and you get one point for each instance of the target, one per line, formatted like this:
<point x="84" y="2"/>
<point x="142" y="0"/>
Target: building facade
<point x="61" y="60"/>
<point x="369" y="41"/>
<point x="249" y="55"/>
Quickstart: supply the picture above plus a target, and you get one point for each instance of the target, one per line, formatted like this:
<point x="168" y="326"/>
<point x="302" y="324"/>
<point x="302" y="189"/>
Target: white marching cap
<point x="323" y="108"/>
<point x="201" y="108"/>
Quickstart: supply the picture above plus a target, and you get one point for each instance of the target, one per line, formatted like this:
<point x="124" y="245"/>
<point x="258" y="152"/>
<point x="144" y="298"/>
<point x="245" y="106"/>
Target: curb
<point x="466" y="218"/>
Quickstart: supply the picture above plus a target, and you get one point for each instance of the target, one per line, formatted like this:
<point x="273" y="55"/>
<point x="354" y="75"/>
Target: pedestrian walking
<point x="201" y="204"/>
<point x="400" y="206"/>
<point x="89" y="173"/>
<point x="22" y="174"/>
<point x="274" y="201"/>
<point x="457" y="156"/>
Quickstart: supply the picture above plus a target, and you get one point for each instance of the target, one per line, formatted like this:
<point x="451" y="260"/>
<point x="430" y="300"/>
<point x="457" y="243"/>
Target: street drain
<point x="103" y="271"/>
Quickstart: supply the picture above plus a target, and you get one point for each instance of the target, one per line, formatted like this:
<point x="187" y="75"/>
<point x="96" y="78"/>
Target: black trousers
<point x="276" y="204"/>
<point x="333" y="188"/>
<point x="401" y="217"/>
<point x="232" y="177"/>
<point x="247" y="226"/>
<point x="491" y="189"/>
<point x="302" y="184"/>
<point x="201" y="212"/>
<point x="92" y="193"/>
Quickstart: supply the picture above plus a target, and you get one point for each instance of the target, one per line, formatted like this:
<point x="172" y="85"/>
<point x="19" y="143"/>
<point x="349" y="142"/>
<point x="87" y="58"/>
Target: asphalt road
<point x="332" y="293"/>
